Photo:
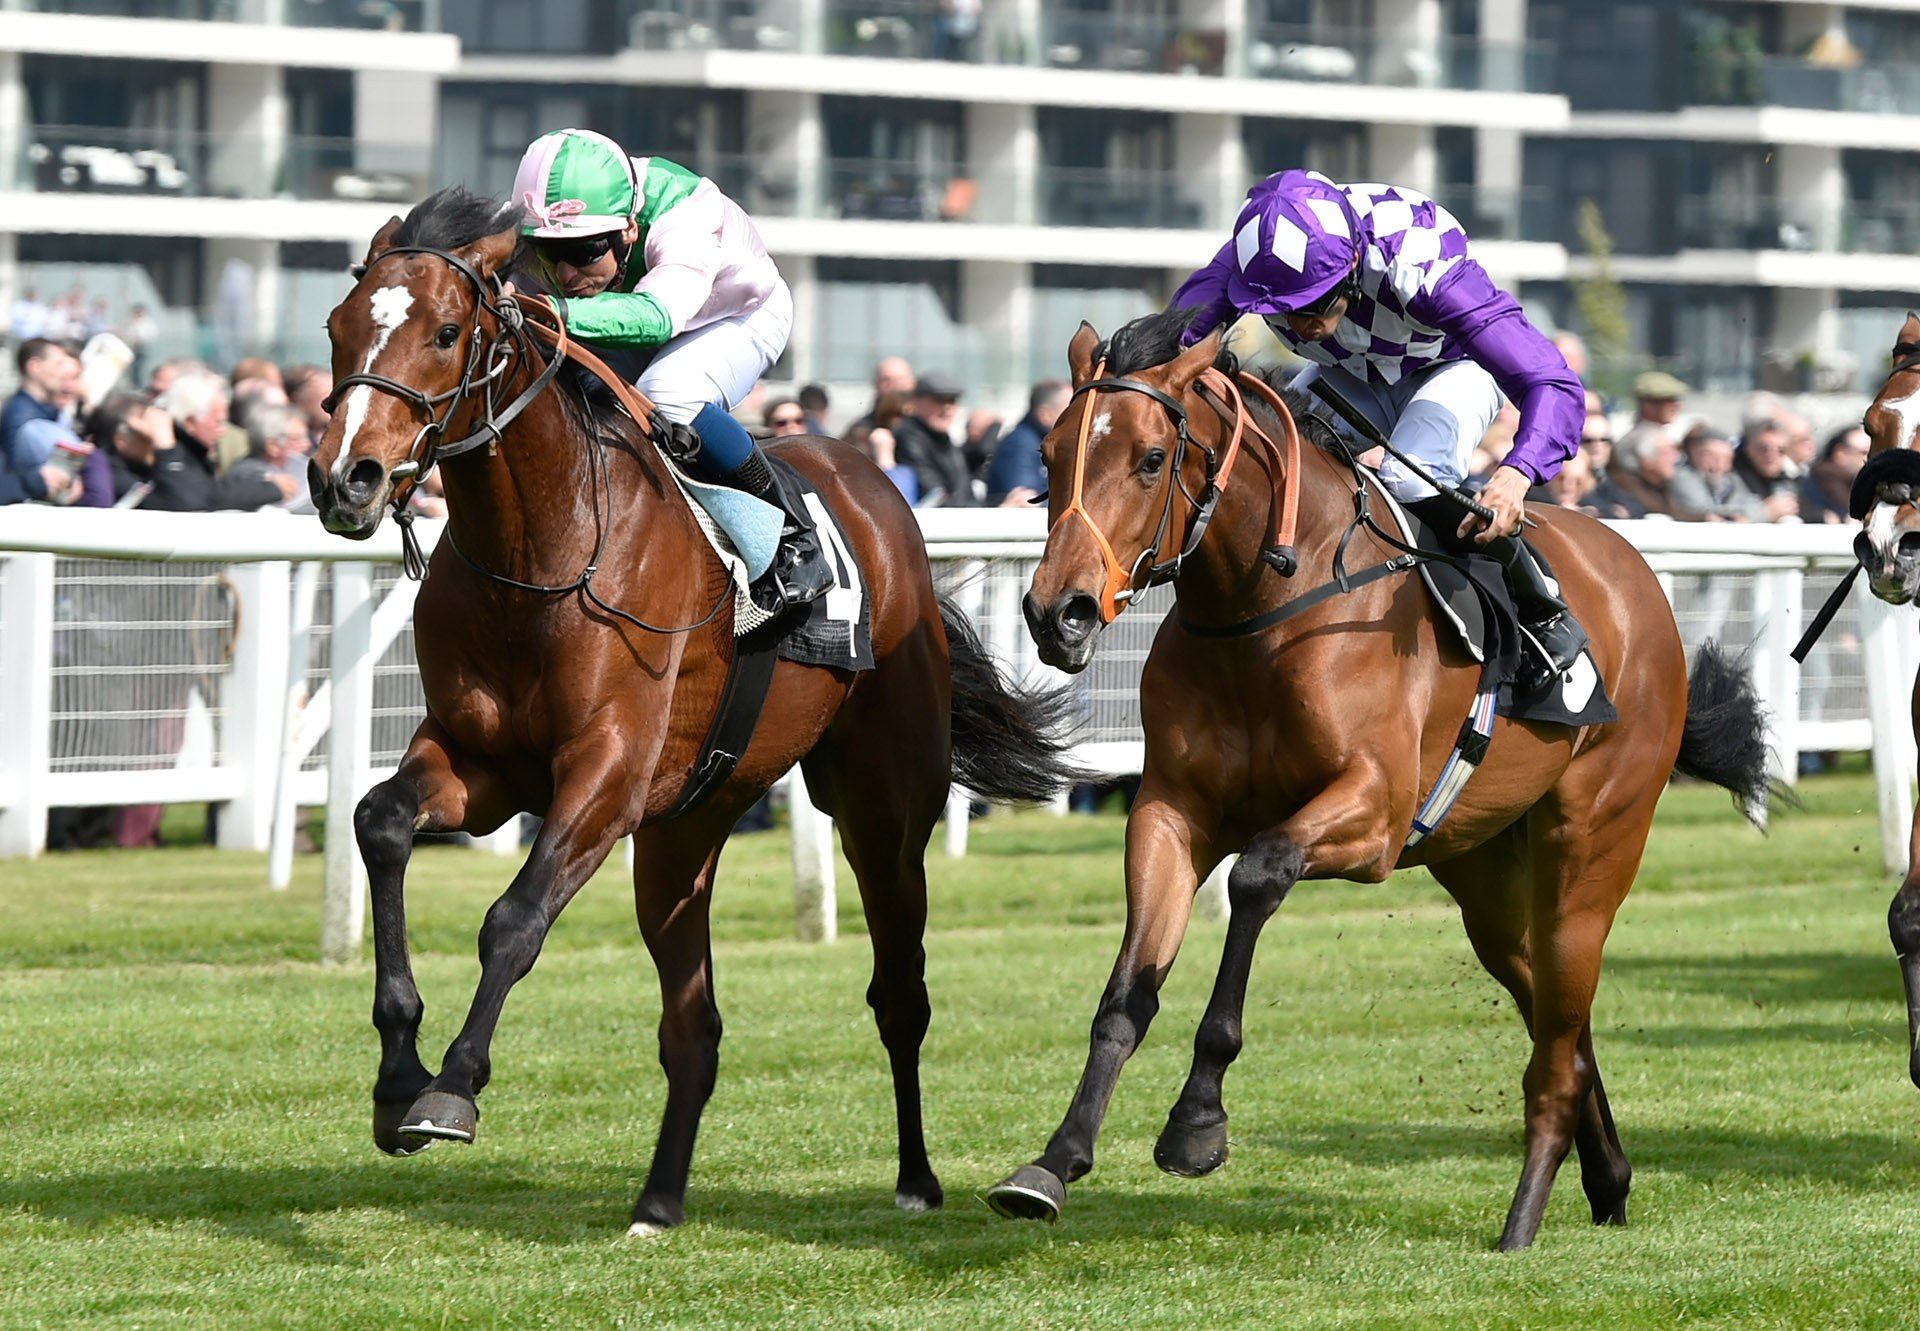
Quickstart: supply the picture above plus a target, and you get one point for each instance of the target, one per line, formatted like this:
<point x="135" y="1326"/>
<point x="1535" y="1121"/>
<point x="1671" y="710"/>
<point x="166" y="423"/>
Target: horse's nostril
<point x="1909" y="546"/>
<point x="363" y="479"/>
<point x="1077" y="617"/>
<point x="316" y="479"/>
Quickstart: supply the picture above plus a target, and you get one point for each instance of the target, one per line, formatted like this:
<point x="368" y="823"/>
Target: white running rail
<point x="161" y="658"/>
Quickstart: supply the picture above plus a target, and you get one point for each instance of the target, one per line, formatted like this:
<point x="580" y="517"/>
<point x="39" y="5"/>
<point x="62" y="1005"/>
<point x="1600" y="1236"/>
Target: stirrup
<point x="799" y="574"/>
<point x="1557" y="641"/>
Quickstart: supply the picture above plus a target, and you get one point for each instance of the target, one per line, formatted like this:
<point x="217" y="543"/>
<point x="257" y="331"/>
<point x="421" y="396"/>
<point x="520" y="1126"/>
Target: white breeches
<point x="1436" y="417"/>
<point x="720" y="362"/>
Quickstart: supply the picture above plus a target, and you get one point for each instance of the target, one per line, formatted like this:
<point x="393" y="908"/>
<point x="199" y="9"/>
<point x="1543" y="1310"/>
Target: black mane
<point x="454" y="218"/>
<point x="1154" y="339"/>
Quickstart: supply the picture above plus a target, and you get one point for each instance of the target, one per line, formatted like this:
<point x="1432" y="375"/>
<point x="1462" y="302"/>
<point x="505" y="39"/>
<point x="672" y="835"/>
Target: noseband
<point x="1123" y="584"/>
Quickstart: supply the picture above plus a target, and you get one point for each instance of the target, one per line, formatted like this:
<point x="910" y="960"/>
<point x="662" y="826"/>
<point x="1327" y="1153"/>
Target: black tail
<point x="1725" y="740"/>
<point x="1008" y="744"/>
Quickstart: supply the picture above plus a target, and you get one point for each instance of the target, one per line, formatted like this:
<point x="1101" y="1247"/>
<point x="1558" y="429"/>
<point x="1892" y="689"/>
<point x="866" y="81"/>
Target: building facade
<point x="963" y="181"/>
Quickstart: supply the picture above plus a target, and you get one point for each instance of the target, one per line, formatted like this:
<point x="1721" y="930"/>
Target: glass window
<point x="1066" y="294"/>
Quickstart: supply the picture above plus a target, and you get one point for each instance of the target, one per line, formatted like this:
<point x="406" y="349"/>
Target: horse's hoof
<point x="1028" y="1193"/>
<point x="1614" y="1213"/>
<point x="1191" y="1151"/>
<point x="922" y="1195"/>
<point x="441" y="1115"/>
<point x="646" y="1229"/>
<point x="387" y="1119"/>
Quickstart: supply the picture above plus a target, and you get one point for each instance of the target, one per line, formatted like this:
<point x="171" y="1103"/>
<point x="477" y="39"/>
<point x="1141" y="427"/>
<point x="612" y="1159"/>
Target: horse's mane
<point x="456" y="217"/>
<point x="1154" y="339"/>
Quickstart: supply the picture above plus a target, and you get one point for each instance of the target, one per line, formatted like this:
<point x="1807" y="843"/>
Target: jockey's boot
<point x="799" y="572"/>
<point x="1554" y="637"/>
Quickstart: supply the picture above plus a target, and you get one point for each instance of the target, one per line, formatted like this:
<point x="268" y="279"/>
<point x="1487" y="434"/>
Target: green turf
<point x="183" y="1106"/>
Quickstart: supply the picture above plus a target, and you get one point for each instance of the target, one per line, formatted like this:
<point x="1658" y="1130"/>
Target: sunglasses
<point x="576" y="253"/>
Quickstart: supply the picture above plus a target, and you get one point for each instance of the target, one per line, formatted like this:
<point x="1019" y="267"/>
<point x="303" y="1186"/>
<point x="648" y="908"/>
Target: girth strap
<point x="742" y="699"/>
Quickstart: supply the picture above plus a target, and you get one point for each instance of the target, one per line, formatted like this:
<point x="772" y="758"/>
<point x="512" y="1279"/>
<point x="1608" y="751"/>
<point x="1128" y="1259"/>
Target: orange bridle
<point x="1223" y="394"/>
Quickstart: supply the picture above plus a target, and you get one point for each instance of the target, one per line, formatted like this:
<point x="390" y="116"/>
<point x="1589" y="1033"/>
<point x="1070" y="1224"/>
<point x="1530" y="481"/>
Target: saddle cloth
<point x="1477" y="609"/>
<point x="744" y="531"/>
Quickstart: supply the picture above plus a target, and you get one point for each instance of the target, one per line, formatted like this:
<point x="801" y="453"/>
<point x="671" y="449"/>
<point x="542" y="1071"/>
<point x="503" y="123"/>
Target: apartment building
<point x="962" y="181"/>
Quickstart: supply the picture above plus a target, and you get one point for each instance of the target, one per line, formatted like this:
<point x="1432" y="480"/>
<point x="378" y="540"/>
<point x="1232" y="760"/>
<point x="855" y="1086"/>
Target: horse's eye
<point x="1155" y="459"/>
<point x="447" y="336"/>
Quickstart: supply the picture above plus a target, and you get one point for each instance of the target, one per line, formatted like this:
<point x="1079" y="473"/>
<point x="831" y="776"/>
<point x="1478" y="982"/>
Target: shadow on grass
<point x="1771" y="978"/>
<point x="1857" y="1161"/>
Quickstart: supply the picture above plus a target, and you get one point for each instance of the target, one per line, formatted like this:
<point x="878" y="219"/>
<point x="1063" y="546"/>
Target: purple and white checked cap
<point x="1292" y="243"/>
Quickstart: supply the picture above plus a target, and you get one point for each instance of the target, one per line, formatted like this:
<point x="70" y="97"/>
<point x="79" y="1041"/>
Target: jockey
<point x="655" y="259"/>
<point x="1374" y="285"/>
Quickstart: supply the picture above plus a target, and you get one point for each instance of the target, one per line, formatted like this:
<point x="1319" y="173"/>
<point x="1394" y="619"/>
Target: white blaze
<point x="389" y="306"/>
<point x="1908" y="410"/>
<point x="1102" y="426"/>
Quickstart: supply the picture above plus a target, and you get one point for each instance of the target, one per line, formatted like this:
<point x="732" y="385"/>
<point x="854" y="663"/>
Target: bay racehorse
<point x="1305" y="741"/>
<point x="574" y="633"/>
<point x="1886" y="496"/>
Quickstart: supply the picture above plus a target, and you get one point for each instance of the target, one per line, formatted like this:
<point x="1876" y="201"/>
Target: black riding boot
<point x="800" y="572"/>
<point x="1557" y="638"/>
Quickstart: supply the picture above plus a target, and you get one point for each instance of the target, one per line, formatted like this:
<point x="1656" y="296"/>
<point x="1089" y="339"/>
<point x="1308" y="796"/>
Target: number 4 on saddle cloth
<point x="834" y="630"/>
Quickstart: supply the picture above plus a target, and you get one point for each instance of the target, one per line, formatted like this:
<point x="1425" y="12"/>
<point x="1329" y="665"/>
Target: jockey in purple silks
<point x="1375" y="286"/>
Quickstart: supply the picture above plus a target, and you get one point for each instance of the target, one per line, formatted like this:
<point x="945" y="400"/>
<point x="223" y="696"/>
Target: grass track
<point x="183" y="1105"/>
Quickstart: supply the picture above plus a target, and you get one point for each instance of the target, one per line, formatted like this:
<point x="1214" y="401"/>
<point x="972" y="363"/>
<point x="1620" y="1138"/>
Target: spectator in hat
<point x="923" y="440"/>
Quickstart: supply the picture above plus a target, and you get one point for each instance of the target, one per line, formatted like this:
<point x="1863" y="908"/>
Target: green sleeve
<point x="619" y="319"/>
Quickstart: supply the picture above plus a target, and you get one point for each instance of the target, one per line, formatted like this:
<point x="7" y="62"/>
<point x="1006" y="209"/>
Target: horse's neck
<point x="1226" y="580"/>
<point x="532" y="506"/>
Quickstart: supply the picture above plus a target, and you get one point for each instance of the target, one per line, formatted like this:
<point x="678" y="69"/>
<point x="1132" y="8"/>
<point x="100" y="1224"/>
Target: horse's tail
<point x="1725" y="740"/>
<point x="1008" y="743"/>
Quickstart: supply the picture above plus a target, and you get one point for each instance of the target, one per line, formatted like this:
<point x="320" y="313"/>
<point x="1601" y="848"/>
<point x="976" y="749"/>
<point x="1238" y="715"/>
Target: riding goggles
<point x="1340" y="291"/>
<point x="576" y="253"/>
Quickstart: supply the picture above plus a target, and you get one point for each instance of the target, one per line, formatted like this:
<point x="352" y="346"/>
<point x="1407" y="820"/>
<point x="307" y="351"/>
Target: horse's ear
<point x="1909" y="331"/>
<point x="1190" y="364"/>
<point x="489" y="254"/>
<point x="1080" y="353"/>
<point x="383" y="239"/>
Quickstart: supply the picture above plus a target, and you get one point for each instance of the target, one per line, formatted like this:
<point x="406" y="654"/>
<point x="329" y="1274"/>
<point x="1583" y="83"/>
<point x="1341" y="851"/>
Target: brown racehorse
<point x="1307" y="746"/>
<point x="586" y="702"/>
<point x="1887" y="498"/>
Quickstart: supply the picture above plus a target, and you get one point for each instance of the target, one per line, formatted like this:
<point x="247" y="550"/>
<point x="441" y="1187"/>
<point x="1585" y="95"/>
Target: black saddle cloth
<point x="1470" y="595"/>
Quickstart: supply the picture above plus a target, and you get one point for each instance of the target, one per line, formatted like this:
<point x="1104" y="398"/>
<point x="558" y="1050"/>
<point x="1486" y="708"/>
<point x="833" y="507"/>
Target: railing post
<point x="349" y="756"/>
<point x="1891" y="719"/>
<point x="1776" y="675"/>
<point x="814" y="908"/>
<point x="294" y="700"/>
<point x="252" y="704"/>
<point x="26" y="724"/>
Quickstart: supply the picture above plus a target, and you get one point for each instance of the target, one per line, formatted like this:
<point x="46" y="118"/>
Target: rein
<point x="1123" y="584"/>
<point x="512" y="345"/>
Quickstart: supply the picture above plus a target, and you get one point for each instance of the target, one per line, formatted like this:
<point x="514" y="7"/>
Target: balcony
<point x="1763" y="223"/>
<point x="918" y="30"/>
<point x="1365" y="57"/>
<point x="88" y="159"/>
<point x="710" y="25"/>
<point x="1502" y="215"/>
<point x="368" y="15"/>
<point x="1128" y="43"/>
<point x="1102" y="197"/>
<point x="1735" y="77"/>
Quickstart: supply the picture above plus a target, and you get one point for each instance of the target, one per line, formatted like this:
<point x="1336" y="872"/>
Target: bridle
<point x="512" y="344"/>
<point x="1123" y="584"/>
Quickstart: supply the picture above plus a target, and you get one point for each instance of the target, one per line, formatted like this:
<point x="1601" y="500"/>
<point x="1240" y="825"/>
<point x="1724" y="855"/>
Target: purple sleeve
<point x="96" y="481"/>
<point x="1492" y="329"/>
<point x="1206" y="292"/>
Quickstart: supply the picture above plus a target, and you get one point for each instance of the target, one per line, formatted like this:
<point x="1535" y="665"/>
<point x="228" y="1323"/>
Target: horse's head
<point x="417" y="334"/>
<point x="1886" y="494"/>
<point x="1122" y="483"/>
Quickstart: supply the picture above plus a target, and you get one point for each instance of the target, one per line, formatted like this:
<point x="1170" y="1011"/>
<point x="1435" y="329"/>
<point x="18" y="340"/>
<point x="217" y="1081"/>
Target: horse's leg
<point x="1342" y="832"/>
<point x="886" y="797"/>
<point x="673" y="868"/>
<point x="433" y="790"/>
<point x="1586" y="850"/>
<point x="1903" y="926"/>
<point x="1490" y="885"/>
<point x="1194" y="1142"/>
<point x="1168" y="853"/>
<point x="588" y="813"/>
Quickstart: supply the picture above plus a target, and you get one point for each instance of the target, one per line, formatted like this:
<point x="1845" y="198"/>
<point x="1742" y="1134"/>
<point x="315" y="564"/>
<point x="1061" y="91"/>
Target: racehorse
<point x="574" y="634"/>
<point x="1886" y="496"/>
<point x="1305" y="740"/>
